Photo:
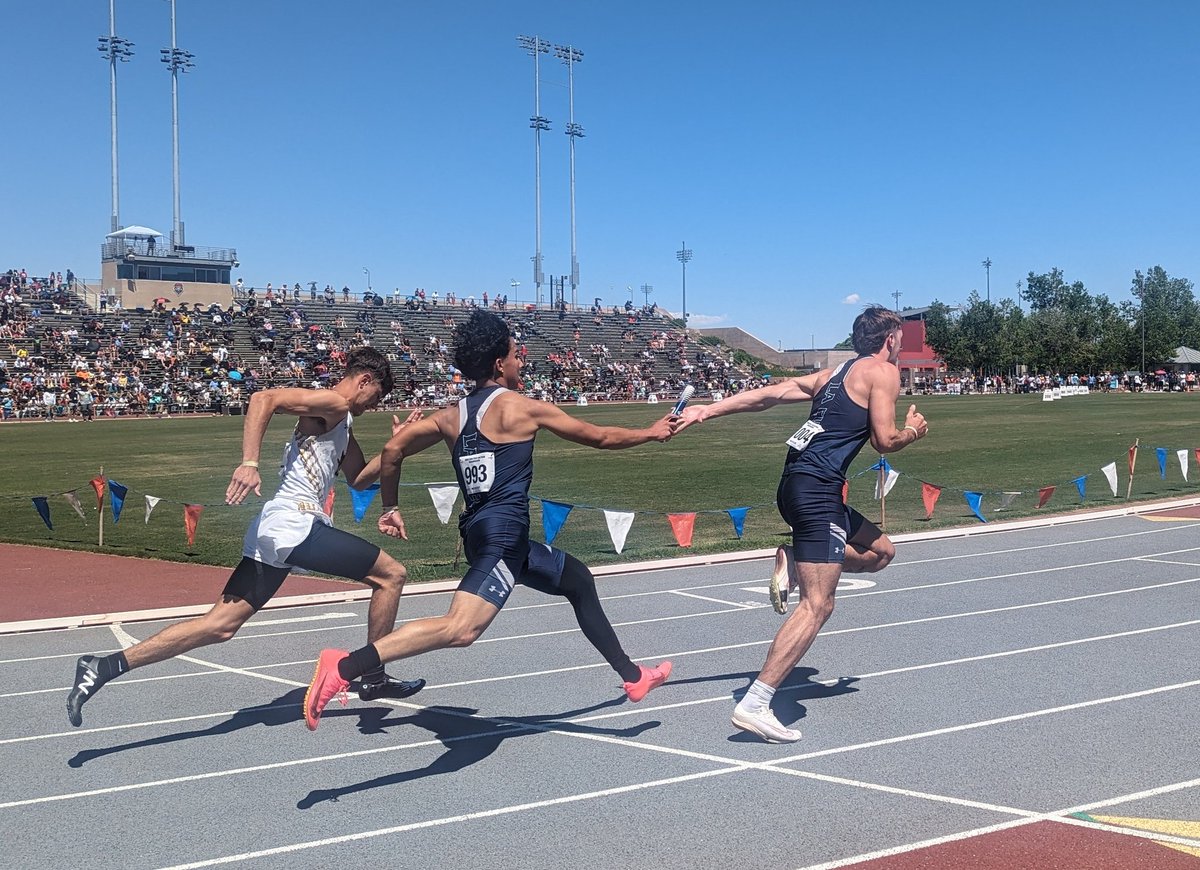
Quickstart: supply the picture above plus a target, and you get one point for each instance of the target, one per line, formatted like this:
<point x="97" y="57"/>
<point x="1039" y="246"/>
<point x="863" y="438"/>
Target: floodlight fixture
<point x="684" y="256"/>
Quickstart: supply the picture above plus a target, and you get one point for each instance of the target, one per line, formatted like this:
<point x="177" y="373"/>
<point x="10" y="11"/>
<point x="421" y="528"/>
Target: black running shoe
<point x="389" y="687"/>
<point x="87" y="681"/>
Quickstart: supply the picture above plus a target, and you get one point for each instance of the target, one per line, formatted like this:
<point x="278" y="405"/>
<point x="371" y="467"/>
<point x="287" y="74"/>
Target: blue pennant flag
<point x="43" y="509"/>
<point x="361" y="500"/>
<point x="973" y="501"/>
<point x="738" y="515"/>
<point x="554" y="514"/>
<point x="116" y="495"/>
<point x="1162" y="461"/>
<point x="1081" y="485"/>
<point x="881" y="465"/>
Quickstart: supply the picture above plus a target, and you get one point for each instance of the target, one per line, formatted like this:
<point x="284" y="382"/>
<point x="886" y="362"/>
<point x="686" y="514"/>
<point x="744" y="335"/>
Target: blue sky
<point x="808" y="153"/>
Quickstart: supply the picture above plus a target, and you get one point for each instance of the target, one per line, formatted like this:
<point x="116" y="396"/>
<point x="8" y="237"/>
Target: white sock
<point x="758" y="696"/>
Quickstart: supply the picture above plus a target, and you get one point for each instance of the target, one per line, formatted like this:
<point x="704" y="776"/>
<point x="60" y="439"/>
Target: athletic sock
<point x="110" y="666"/>
<point x="757" y="697"/>
<point x="361" y="661"/>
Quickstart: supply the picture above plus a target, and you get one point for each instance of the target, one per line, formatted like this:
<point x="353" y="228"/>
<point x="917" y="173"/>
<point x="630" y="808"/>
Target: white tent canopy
<point x="134" y="233"/>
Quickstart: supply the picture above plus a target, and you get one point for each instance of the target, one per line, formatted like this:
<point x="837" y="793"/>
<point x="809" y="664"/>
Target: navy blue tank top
<point x="836" y="430"/>
<point x="494" y="478"/>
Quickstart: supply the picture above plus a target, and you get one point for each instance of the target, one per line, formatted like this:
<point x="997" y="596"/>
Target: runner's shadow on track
<point x="798" y="686"/>
<point x="458" y="730"/>
<point x="281" y="711"/>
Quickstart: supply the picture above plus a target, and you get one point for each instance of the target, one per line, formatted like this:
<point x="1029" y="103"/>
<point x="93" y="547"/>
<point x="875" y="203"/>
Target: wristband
<point x="915" y="432"/>
<point x="390" y="510"/>
<point x="250" y="463"/>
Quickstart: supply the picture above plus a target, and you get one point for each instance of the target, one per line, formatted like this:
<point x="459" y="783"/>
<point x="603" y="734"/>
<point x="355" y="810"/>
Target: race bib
<point x="804" y="435"/>
<point x="478" y="470"/>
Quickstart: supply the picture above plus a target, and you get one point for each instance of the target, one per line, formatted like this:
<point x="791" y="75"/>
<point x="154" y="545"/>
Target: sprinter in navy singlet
<point x="851" y="404"/>
<point x="490" y="435"/>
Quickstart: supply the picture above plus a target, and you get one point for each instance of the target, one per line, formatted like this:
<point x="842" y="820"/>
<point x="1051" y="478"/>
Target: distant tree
<point x="1169" y="312"/>
<point x="845" y="344"/>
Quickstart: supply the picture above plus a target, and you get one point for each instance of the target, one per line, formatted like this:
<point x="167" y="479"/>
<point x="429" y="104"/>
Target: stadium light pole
<point x="367" y="272"/>
<point x="684" y="256"/>
<point x="537" y="46"/>
<point x="987" y="265"/>
<point x="113" y="48"/>
<point x="571" y="56"/>
<point x="177" y="61"/>
<point x="647" y="289"/>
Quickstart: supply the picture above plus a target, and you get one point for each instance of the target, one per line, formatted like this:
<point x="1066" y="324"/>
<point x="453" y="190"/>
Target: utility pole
<point x="987" y="264"/>
<point x="896" y="294"/>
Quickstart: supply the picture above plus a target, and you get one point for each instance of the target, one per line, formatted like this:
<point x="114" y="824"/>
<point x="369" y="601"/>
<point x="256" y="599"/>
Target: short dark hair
<point x="370" y="361"/>
<point x="872" y="327"/>
<point x="479" y="341"/>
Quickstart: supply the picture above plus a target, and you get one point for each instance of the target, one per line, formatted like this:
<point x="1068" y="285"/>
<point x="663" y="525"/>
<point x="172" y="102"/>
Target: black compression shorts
<point x="821" y="522"/>
<point x="501" y="555"/>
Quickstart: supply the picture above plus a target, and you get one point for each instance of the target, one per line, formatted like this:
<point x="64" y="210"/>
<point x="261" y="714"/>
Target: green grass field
<point x="985" y="443"/>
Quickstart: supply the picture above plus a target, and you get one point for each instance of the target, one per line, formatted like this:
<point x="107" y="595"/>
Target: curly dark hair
<point x="872" y="327"/>
<point x="479" y="341"/>
<point x="370" y="361"/>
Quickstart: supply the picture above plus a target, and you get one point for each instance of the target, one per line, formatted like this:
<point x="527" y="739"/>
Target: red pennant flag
<point x="98" y="485"/>
<point x="846" y="491"/>
<point x="681" y="525"/>
<point x="191" y="517"/>
<point x="329" y="503"/>
<point x="1044" y="495"/>
<point x="1198" y="454"/>
<point x="929" y="495"/>
<point x="1133" y="458"/>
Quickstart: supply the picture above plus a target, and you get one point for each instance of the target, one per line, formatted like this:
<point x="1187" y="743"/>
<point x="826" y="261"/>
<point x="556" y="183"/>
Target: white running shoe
<point x="763" y="723"/>
<point x="782" y="578"/>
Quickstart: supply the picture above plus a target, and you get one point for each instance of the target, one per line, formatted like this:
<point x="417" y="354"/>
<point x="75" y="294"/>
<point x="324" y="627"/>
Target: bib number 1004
<point x="478" y="471"/>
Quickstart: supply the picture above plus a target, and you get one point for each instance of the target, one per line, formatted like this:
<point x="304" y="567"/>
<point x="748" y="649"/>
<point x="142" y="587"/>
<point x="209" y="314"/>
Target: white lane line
<point x="1167" y="561"/>
<point x="451" y="820"/>
<point x="318" y="618"/>
<point x="72" y="655"/>
<point x="715" y="600"/>
<point x="1141" y="835"/>
<point x="1055" y="816"/>
<point x="196" y="718"/>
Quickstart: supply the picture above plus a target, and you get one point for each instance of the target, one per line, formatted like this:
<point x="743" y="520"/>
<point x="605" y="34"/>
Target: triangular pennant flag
<point x="1198" y="454"/>
<point x="929" y="495"/>
<point x="117" y="493"/>
<point x="682" y="525"/>
<point x="191" y="518"/>
<point x="1161" y="453"/>
<point x="329" y="502"/>
<point x="618" y="527"/>
<point x="888" y="482"/>
<point x="98" y="485"/>
<point x="73" y="501"/>
<point x="974" y="499"/>
<point x="1006" y="500"/>
<point x="881" y="465"/>
<point x="43" y="508"/>
<point x="1081" y="485"/>
<point x="151" y="503"/>
<point x="361" y="499"/>
<point x="738" y="515"/>
<point x="444" y="498"/>
<point x="1133" y="457"/>
<point x="1183" y="462"/>
<point x="554" y="514"/>
<point x="1110" y="472"/>
<point x="1044" y="494"/>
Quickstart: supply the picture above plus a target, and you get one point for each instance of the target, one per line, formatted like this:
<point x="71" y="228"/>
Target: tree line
<point x="1066" y="328"/>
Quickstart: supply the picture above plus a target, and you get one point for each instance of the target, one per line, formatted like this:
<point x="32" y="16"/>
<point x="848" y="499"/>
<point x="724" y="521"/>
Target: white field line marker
<point x="318" y="618"/>
<point x="715" y="600"/>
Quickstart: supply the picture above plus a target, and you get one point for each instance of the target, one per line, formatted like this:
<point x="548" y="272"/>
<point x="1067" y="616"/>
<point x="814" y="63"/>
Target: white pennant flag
<point x="151" y="504"/>
<point x="618" y="526"/>
<point x="443" y="500"/>
<point x="73" y="501"/>
<point x="892" y="476"/>
<point x="1006" y="500"/>
<point x="1110" y="471"/>
<point x="1183" y="462"/>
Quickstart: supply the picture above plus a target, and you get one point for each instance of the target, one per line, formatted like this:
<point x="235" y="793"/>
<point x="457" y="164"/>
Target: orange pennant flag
<point x="1133" y="458"/>
<point x="98" y="485"/>
<point x="1044" y="495"/>
<point x="191" y="517"/>
<point x="329" y="503"/>
<point x="682" y="525"/>
<point x="929" y="495"/>
<point x="1198" y="454"/>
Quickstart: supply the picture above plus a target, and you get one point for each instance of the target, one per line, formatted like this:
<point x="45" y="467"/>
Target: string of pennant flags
<point x="444" y="496"/>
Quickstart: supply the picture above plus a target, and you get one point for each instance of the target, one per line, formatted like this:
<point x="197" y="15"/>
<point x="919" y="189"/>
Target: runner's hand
<point x="691" y="415"/>
<point x="392" y="525"/>
<point x="414" y="417"/>
<point x="916" y="419"/>
<point x="245" y="478"/>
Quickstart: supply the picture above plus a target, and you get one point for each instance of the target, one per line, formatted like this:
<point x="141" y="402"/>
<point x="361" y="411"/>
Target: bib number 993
<point x="478" y="471"/>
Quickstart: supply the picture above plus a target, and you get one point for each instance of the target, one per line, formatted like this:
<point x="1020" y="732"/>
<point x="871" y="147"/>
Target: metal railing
<point x="116" y="249"/>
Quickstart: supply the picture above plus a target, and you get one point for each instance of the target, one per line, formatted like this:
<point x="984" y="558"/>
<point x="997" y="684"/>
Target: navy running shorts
<point x="821" y="522"/>
<point x="501" y="555"/>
